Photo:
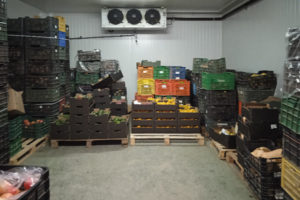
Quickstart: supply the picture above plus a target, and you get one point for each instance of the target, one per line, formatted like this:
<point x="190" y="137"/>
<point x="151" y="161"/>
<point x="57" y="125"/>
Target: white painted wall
<point x="177" y="46"/>
<point x="16" y="8"/>
<point x="254" y="39"/>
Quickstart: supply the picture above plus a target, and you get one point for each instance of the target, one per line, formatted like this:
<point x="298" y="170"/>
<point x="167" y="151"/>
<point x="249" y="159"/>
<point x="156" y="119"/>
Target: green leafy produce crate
<point x="290" y="113"/>
<point x="220" y="81"/>
<point x="15" y="145"/>
<point x="86" y="78"/>
<point x="37" y="130"/>
<point x="42" y="95"/>
<point x="161" y="72"/>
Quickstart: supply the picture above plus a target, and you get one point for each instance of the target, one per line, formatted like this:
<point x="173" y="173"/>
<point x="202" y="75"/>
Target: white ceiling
<point x="205" y="7"/>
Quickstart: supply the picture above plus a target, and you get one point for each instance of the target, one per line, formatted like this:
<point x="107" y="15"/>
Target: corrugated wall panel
<point x="254" y="39"/>
<point x="178" y="45"/>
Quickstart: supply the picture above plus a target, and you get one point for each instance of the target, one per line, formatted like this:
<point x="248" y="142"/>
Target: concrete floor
<point x="113" y="172"/>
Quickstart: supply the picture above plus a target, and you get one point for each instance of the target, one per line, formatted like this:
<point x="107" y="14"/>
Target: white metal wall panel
<point x="254" y="38"/>
<point x="177" y="45"/>
<point x="16" y="8"/>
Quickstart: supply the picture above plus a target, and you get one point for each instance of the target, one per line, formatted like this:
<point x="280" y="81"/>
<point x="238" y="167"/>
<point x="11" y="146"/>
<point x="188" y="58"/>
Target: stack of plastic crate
<point x="45" y="65"/>
<point x="4" y="139"/>
<point x="145" y="83"/>
<point x="290" y="117"/>
<point x="15" y="129"/>
<point x="16" y="54"/>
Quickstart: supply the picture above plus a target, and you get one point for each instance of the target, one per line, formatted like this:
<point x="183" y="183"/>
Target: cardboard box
<point x="15" y="102"/>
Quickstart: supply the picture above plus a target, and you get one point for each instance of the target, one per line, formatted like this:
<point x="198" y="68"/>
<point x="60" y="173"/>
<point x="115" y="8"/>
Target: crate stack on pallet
<point x="16" y="54"/>
<point x="118" y="105"/>
<point x="204" y="65"/>
<point x="290" y="117"/>
<point x="4" y="137"/>
<point x="83" y="122"/>
<point x="259" y="132"/>
<point x="164" y="115"/>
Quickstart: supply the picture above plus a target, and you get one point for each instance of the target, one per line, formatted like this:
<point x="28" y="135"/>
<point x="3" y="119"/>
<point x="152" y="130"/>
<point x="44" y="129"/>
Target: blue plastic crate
<point x="62" y="43"/>
<point x="61" y="39"/>
<point x="177" y="72"/>
<point x="61" y="35"/>
<point x="194" y="89"/>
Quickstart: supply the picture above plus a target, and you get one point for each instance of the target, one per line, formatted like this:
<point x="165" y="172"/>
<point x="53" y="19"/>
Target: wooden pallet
<point x="29" y="146"/>
<point x="231" y="157"/>
<point x="166" y="137"/>
<point x="222" y="151"/>
<point x="88" y="142"/>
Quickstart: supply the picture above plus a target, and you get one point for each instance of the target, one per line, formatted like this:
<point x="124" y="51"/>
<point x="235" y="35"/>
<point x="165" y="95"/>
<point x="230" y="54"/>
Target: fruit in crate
<point x="118" y="120"/>
<point x="188" y="109"/>
<point x="82" y="96"/>
<point x="100" y="112"/>
<point x="28" y="123"/>
<point x="62" y="119"/>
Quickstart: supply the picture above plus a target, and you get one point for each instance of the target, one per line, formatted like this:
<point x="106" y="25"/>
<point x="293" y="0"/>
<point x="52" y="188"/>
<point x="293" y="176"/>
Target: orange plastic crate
<point x="145" y="72"/>
<point x="163" y="87"/>
<point x="181" y="87"/>
<point x="142" y="98"/>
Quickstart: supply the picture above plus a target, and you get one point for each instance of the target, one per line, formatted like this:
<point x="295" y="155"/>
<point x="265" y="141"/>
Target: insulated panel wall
<point x="253" y="39"/>
<point x="177" y="45"/>
<point x="16" y="8"/>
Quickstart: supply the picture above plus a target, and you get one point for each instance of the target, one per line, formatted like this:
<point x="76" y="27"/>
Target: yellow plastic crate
<point x="146" y="86"/>
<point x="290" y="178"/>
<point x="61" y="23"/>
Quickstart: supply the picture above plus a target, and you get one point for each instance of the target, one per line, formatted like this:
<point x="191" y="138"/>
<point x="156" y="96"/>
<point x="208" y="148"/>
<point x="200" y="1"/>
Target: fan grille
<point x="152" y="16"/>
<point x="115" y="16"/>
<point x="134" y="16"/>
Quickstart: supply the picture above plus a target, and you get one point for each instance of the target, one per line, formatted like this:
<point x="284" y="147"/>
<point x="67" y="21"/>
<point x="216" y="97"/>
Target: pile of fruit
<point x="189" y="126"/>
<point x="82" y="96"/>
<point x="100" y="112"/>
<point x="163" y="119"/>
<point x="143" y="127"/>
<point x="28" y="123"/>
<point x="118" y="120"/>
<point x="62" y="119"/>
<point x="188" y="109"/>
<point x="144" y="119"/>
<point x="166" y="127"/>
<point x="164" y="101"/>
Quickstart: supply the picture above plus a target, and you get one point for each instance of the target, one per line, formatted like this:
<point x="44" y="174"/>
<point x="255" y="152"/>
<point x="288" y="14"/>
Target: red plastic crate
<point x="142" y="98"/>
<point x="163" y="87"/>
<point x="181" y="87"/>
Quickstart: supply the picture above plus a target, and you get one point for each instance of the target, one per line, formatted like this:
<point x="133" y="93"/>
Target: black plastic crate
<point x="3" y="69"/>
<point x="291" y="146"/>
<point x="98" y="131"/>
<point x="34" y="81"/>
<point x="16" y="68"/>
<point x="261" y="130"/>
<point x="118" y="130"/>
<point x="15" y="26"/>
<point x="41" y="26"/>
<point x="229" y="141"/>
<point x="3" y="52"/>
<point x="15" y="41"/>
<point x="40" y="95"/>
<point x="16" y="53"/>
<point x="79" y="131"/>
<point x="40" y="53"/>
<point x="45" y="67"/>
<point x="221" y="113"/>
<point x="80" y="106"/>
<point x="256" y="114"/>
<point x="60" y="131"/>
<point x="263" y="82"/>
<point x="119" y="109"/>
<point x="220" y="97"/>
<point x="101" y="92"/>
<point x="41" y="42"/>
<point x="89" y="55"/>
<point x="42" y="109"/>
<point x="183" y="100"/>
<point x="265" y="167"/>
<point x="3" y="80"/>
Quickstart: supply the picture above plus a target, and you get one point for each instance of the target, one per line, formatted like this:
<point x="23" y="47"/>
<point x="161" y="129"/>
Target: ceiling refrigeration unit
<point x="134" y="18"/>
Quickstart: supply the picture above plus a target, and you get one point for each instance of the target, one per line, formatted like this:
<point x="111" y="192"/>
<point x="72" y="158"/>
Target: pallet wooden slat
<point x="222" y="150"/>
<point x="29" y="146"/>
<point x="88" y="142"/>
<point x="231" y="157"/>
<point x="167" y="137"/>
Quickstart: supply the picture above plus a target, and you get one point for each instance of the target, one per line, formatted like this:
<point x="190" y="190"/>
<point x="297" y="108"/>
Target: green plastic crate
<point x="62" y="78"/>
<point x="197" y="63"/>
<point x="86" y="78"/>
<point x="161" y="72"/>
<point x="220" y="81"/>
<point x="15" y="128"/>
<point x="290" y="113"/>
<point x="15" y="145"/>
<point x="36" y="130"/>
<point x="42" y="95"/>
